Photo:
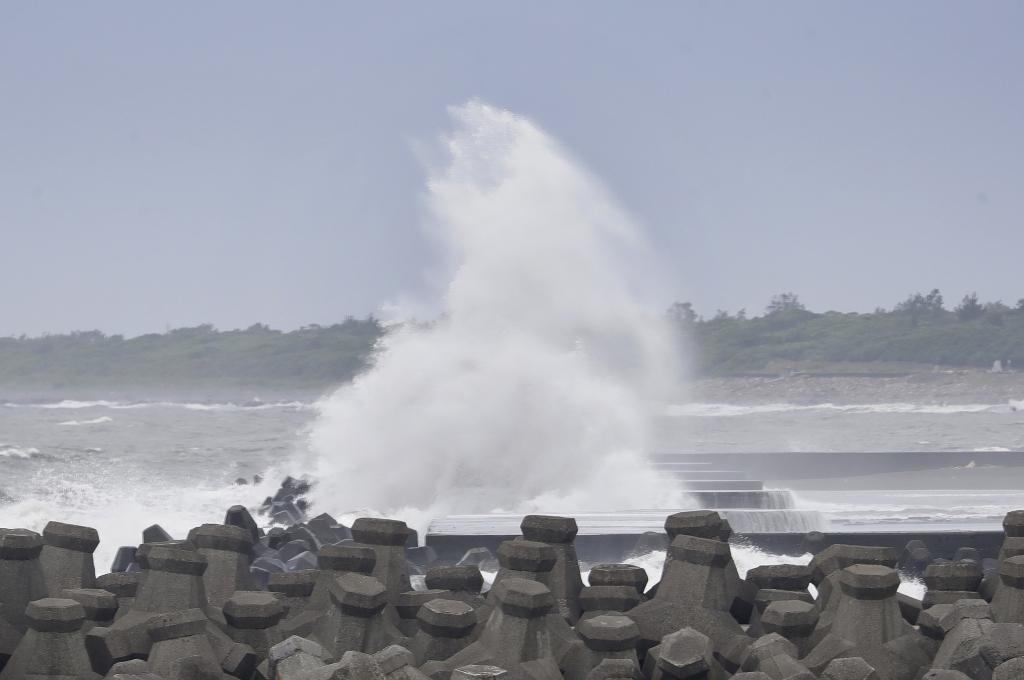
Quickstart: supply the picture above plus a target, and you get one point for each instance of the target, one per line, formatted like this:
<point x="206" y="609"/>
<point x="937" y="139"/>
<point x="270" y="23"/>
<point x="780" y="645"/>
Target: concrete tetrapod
<point x="21" y="582"/>
<point x="795" y="621"/>
<point x="853" y="668"/>
<point x="776" y="656"/>
<point x="53" y="647"/>
<point x="180" y="635"/>
<point x="516" y="636"/>
<point x="533" y="561"/>
<point x="226" y="549"/>
<point x="949" y="582"/>
<point x="252" y="619"/>
<point x="397" y="663"/>
<point x="387" y="538"/>
<point x="334" y="561"/>
<point x="292" y="659"/>
<point x="600" y="600"/>
<point x="868" y="624"/>
<point x="564" y="580"/>
<point x="683" y="655"/>
<point x="606" y="637"/>
<point x="827" y="566"/>
<point x="123" y="586"/>
<point x="765" y="597"/>
<point x="66" y="557"/>
<point x="355" y="622"/>
<point x="463" y="582"/>
<point x="293" y="589"/>
<point x="100" y="606"/>
<point x="408" y="608"/>
<point x="693" y="593"/>
<point x="171" y="582"/>
<point x="444" y="628"/>
<point x="1008" y="601"/>
<point x="619" y="575"/>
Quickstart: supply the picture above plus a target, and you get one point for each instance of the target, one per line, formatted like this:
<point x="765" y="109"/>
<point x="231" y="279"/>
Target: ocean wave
<point x="73" y="404"/>
<point x="11" y="451"/>
<point x="94" y="421"/>
<point x="706" y="410"/>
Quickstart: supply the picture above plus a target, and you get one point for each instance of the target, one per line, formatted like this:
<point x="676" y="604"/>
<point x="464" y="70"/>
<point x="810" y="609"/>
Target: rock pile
<point x="319" y="601"/>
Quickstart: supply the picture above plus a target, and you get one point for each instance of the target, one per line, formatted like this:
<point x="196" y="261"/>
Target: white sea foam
<point x="94" y="421"/>
<point x="533" y="392"/>
<point x="733" y="410"/>
<point x="11" y="451"/>
<point x="119" y="507"/>
<point x="192" y="406"/>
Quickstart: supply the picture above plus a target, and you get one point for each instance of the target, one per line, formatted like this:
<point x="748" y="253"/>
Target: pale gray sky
<point x="189" y="162"/>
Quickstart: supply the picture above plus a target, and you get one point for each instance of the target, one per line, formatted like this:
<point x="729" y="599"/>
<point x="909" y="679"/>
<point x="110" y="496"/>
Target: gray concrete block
<point x="355" y="621"/>
<point x="605" y="638"/>
<point x="66" y="557"/>
<point x="781" y="576"/>
<point x="1008" y="598"/>
<point x="853" y="668"/>
<point x="684" y="655"/>
<point x="516" y="637"/>
<point x="794" y="620"/>
<point x="598" y="600"/>
<point x="445" y="627"/>
<point x="609" y="633"/>
<point x="238" y="515"/>
<point x="693" y="592"/>
<point x="619" y="575"/>
<point x="564" y="579"/>
<point x="155" y="534"/>
<point x="100" y="605"/>
<point x="292" y="658"/>
<point x="455" y="578"/>
<point x="615" y="669"/>
<point x="963" y="576"/>
<point x="21" y="578"/>
<point x="53" y="645"/>
<point x="698" y="523"/>
<point x="1008" y="670"/>
<point x="408" y="607"/>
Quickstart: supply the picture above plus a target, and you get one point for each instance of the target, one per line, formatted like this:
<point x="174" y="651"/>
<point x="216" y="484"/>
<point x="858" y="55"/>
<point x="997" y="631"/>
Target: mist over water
<point x="536" y="389"/>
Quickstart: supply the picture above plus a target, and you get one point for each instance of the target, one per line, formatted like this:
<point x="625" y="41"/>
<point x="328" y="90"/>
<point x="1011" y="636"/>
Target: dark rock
<point x="155" y="534"/>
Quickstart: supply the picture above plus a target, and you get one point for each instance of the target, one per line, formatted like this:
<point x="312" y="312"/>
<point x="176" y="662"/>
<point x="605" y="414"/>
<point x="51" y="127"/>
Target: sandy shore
<point x="960" y="387"/>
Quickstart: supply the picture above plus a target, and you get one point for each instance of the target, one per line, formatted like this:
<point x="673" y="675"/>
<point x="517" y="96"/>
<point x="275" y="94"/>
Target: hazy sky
<point x="225" y="162"/>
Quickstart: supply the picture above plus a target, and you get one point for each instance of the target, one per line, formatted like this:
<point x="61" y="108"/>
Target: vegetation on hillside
<point x="312" y="356"/>
<point x="919" y="330"/>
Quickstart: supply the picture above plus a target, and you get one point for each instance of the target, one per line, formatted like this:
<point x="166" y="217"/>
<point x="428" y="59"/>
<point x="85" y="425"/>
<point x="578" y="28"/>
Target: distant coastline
<point x="919" y="349"/>
<point x="190" y="359"/>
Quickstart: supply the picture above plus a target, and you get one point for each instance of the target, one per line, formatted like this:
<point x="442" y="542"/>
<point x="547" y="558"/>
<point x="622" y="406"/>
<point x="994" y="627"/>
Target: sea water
<point x="121" y="466"/>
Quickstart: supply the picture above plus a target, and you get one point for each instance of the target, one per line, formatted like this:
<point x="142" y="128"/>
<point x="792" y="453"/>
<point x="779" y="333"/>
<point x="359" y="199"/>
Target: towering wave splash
<point x="535" y="390"/>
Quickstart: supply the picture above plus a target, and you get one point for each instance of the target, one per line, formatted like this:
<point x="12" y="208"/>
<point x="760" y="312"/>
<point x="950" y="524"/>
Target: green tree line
<point x="919" y="329"/>
<point x="187" y="357"/>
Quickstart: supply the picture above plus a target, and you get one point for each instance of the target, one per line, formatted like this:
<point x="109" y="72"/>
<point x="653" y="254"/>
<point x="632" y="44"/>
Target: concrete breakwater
<point x="310" y="599"/>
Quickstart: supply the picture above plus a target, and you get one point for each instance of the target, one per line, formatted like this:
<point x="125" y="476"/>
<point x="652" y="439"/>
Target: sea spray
<point x="536" y="389"/>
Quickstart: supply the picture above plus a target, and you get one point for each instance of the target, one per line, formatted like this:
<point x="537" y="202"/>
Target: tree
<point x="682" y="312"/>
<point x="917" y="305"/>
<point x="783" y="302"/>
<point x="969" y="308"/>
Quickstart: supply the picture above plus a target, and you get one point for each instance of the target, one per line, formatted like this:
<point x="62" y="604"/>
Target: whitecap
<point x="732" y="410"/>
<point x="11" y="451"/>
<point x="94" y="421"/>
